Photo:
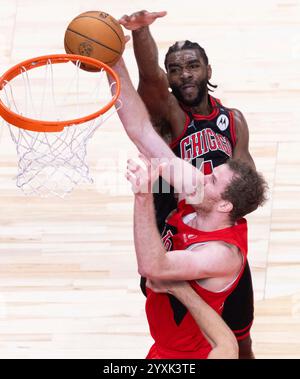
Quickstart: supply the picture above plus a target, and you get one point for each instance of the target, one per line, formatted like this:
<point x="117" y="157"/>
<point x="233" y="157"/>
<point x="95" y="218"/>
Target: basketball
<point x="97" y="35"/>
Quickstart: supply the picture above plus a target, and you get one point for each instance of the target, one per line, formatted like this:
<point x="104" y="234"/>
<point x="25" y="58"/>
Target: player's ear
<point x="225" y="206"/>
<point x="209" y="71"/>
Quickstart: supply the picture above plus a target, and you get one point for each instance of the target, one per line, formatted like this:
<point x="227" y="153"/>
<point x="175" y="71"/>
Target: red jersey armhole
<point x="232" y="128"/>
<point x="186" y="124"/>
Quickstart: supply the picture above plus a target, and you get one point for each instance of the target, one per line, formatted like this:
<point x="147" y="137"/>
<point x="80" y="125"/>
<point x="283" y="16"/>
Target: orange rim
<point x="52" y="126"/>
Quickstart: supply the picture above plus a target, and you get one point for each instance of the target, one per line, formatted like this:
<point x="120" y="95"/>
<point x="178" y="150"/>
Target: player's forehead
<point x="223" y="173"/>
<point x="184" y="56"/>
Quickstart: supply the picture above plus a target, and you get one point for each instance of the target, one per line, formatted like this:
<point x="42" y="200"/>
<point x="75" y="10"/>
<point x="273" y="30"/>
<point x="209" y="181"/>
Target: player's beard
<point x="205" y="207"/>
<point x="201" y="93"/>
<point x="207" y="204"/>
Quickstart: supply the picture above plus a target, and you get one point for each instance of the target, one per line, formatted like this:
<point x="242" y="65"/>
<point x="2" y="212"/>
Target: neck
<point x="210" y="222"/>
<point x="204" y="107"/>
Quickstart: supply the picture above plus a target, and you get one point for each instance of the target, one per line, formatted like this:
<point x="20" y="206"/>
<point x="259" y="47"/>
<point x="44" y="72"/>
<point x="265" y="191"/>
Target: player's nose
<point x="207" y="178"/>
<point x="185" y="73"/>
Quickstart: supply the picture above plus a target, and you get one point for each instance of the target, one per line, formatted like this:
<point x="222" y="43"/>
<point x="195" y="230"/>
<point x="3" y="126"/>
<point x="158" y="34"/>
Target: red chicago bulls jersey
<point x="176" y="334"/>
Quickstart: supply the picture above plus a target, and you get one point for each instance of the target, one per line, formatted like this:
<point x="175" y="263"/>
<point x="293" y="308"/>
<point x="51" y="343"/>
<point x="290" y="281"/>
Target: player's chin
<point x="190" y="101"/>
<point x="194" y="199"/>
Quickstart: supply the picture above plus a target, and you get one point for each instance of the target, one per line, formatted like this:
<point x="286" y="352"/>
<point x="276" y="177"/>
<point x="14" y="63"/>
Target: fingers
<point x="134" y="187"/>
<point x="142" y="176"/>
<point x="142" y="13"/>
<point x="127" y="39"/>
<point x="133" y="167"/>
<point x="159" y="286"/>
<point x="129" y="177"/>
<point x="159" y="14"/>
<point x="124" y="19"/>
<point x="138" y="177"/>
<point x="136" y="166"/>
<point x="145" y="160"/>
<point x="139" y="19"/>
<point x="157" y="163"/>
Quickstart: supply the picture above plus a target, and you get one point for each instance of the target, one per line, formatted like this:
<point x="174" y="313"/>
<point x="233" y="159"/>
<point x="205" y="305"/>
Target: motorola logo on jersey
<point x="222" y="122"/>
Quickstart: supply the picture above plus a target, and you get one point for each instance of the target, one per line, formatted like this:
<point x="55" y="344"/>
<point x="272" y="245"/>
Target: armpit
<point x="163" y="129"/>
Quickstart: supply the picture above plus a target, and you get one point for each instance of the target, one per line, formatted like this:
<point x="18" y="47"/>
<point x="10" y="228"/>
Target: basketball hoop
<point x="52" y="110"/>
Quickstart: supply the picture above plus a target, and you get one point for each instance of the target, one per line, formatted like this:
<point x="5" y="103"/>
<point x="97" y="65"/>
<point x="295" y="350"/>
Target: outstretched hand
<point x="139" y="19"/>
<point x="142" y="178"/>
<point x="187" y="180"/>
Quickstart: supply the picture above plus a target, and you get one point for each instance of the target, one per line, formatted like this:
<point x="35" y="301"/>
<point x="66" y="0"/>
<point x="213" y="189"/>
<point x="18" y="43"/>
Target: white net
<point x="53" y="163"/>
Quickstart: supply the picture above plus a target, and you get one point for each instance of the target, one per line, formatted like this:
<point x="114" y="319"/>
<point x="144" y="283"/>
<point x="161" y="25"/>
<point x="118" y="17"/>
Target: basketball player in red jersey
<point x="196" y="125"/>
<point x="207" y="247"/>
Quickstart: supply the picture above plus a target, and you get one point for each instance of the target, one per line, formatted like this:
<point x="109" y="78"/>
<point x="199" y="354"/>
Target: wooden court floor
<point x="68" y="281"/>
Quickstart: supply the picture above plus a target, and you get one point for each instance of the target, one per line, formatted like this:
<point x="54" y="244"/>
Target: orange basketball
<point x="97" y="35"/>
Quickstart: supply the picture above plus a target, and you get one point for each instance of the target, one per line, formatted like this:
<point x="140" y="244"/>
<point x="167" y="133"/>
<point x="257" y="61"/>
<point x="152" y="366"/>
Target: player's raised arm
<point x="153" y="83"/>
<point x="220" y="337"/>
<point x="135" y="119"/>
<point x="145" y="48"/>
